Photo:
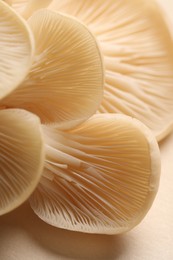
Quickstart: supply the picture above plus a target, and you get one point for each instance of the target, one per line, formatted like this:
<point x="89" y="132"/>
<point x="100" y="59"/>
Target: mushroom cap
<point x="21" y="157"/>
<point x="138" y="55"/>
<point x="100" y="177"/>
<point x="16" y="49"/>
<point x="65" y="83"/>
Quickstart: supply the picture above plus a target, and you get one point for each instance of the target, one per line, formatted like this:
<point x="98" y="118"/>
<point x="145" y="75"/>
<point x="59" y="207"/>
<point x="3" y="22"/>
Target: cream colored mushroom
<point x="16" y="49"/>
<point x="138" y="55"/>
<point x="21" y="157"/>
<point x="100" y="177"/>
<point x="21" y="139"/>
<point x="65" y="83"/>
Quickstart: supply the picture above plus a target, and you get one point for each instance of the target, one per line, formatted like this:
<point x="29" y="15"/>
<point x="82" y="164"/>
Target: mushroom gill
<point x="21" y="157"/>
<point x="99" y="177"/>
<point x="65" y="83"/>
<point x="138" y="55"/>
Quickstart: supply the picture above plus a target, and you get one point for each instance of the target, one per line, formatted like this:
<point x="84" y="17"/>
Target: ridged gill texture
<point x="138" y="55"/>
<point x="16" y="49"/>
<point x="21" y="157"/>
<point x="100" y="177"/>
<point x="65" y="84"/>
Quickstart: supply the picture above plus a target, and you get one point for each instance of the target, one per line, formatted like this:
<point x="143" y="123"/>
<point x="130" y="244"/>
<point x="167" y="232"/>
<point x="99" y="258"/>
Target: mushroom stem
<point x="33" y="6"/>
<point x="62" y="157"/>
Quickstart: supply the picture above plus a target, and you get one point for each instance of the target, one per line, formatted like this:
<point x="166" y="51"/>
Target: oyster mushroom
<point x="16" y="49"/>
<point x="138" y="55"/>
<point x="21" y="157"/>
<point x="46" y="84"/>
<point x="65" y="83"/>
<point x="21" y="140"/>
<point x="99" y="177"/>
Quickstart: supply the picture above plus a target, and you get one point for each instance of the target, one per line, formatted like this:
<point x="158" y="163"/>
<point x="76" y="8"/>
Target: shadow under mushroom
<point x="73" y="245"/>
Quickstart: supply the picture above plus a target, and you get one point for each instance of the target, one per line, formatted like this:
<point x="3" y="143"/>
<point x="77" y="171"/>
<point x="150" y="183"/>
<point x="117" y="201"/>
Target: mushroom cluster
<point x="85" y="94"/>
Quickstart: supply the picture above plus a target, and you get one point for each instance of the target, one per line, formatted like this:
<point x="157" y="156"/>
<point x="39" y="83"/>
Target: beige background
<point x="24" y="237"/>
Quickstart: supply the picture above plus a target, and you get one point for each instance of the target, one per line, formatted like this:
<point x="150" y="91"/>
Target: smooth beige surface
<point x="24" y="237"/>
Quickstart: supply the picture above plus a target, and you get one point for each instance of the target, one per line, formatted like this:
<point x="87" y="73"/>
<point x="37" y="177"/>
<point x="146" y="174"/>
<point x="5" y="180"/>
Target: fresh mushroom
<point x="100" y="177"/>
<point x="138" y="55"/>
<point x="39" y="91"/>
<point x="65" y="83"/>
<point x="21" y="157"/>
<point x="21" y="140"/>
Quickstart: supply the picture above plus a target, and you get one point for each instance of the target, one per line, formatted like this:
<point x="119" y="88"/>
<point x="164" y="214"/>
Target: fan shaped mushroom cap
<point x="21" y="157"/>
<point x="67" y="74"/>
<point x="16" y="49"/>
<point x="100" y="177"/>
<point x="138" y="55"/>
